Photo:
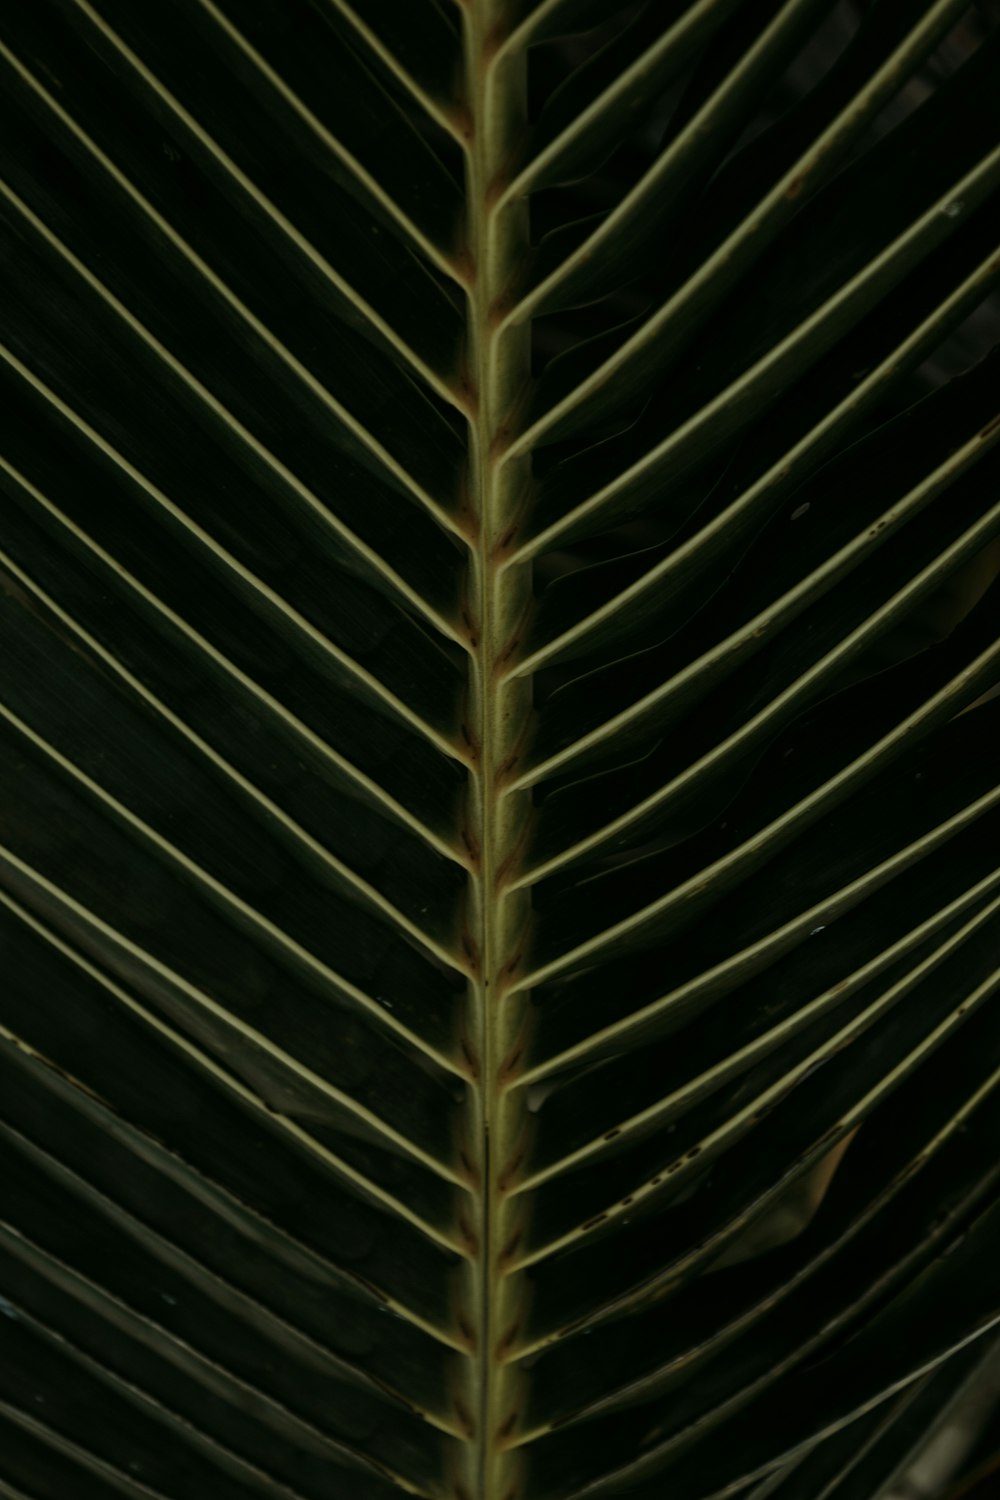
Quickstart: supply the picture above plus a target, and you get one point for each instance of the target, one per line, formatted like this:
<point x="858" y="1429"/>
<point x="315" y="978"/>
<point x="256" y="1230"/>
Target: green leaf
<point x="499" y="901"/>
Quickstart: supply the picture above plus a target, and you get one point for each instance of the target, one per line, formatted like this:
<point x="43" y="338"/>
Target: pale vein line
<point x="620" y="1031"/>
<point x="177" y="857"/>
<point x="192" y="1179"/>
<point x="220" y="554"/>
<point x="650" y="1458"/>
<point x="916" y="588"/>
<point x="444" y="263"/>
<point x="257" y="1039"/>
<point x="391" y="465"/>
<point x="219" y="1453"/>
<point x="170" y="1346"/>
<point x="850" y="301"/>
<point x="124" y="1484"/>
<point x="785" y="826"/>
<point x="374" y="42"/>
<point x="814" y="443"/>
<point x="924" y="1155"/>
<point x="377" y="794"/>
<point x="786" y="606"/>
<point x="208" y="1448"/>
<point x="362" y="176"/>
<point x="657" y="178"/>
<point x="776" y="202"/>
<point x="343" y="987"/>
<point x="613" y="1399"/>
<point x="326" y="517"/>
<point x="260" y="799"/>
<point x="854" y="1115"/>
<point x="521" y="36"/>
<point x="8" y="1492"/>
<point x="753" y="959"/>
<point x="315" y="1080"/>
<point x="688" y="24"/>
<point x="767" y="1042"/>
<point x="336" y="1164"/>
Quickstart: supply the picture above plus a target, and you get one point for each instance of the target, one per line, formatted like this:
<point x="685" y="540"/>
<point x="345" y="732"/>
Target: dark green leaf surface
<point x="499" y="876"/>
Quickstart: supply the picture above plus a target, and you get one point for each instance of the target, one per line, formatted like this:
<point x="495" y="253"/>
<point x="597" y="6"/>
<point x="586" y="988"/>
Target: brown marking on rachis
<point x="464" y="1416"/>
<point x="507" y="1253"/>
<point x="507" y="1427"/>
<point x="506" y="1341"/>
<point x="472" y="1061"/>
<point x="471" y="1170"/>
<point x="467" y="396"/>
<point x="469" y="1238"/>
<point x="471" y="951"/>
<point x="471" y="630"/>
<point x="463" y="120"/>
<point x="465" y="266"/>
<point x="465" y="1329"/>
<point x="492" y="41"/>
<point x="499" y="311"/>
<point x="506" y="865"/>
<point x="510" y="1171"/>
<point x="496" y="190"/>
<point x="505" y="656"/>
<point x="467" y="522"/>
<point x="510" y="967"/>
<point x="500" y="443"/>
<point x="510" y="1062"/>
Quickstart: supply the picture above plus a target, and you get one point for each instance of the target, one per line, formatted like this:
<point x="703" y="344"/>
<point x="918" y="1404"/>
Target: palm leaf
<point x="498" y="887"/>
